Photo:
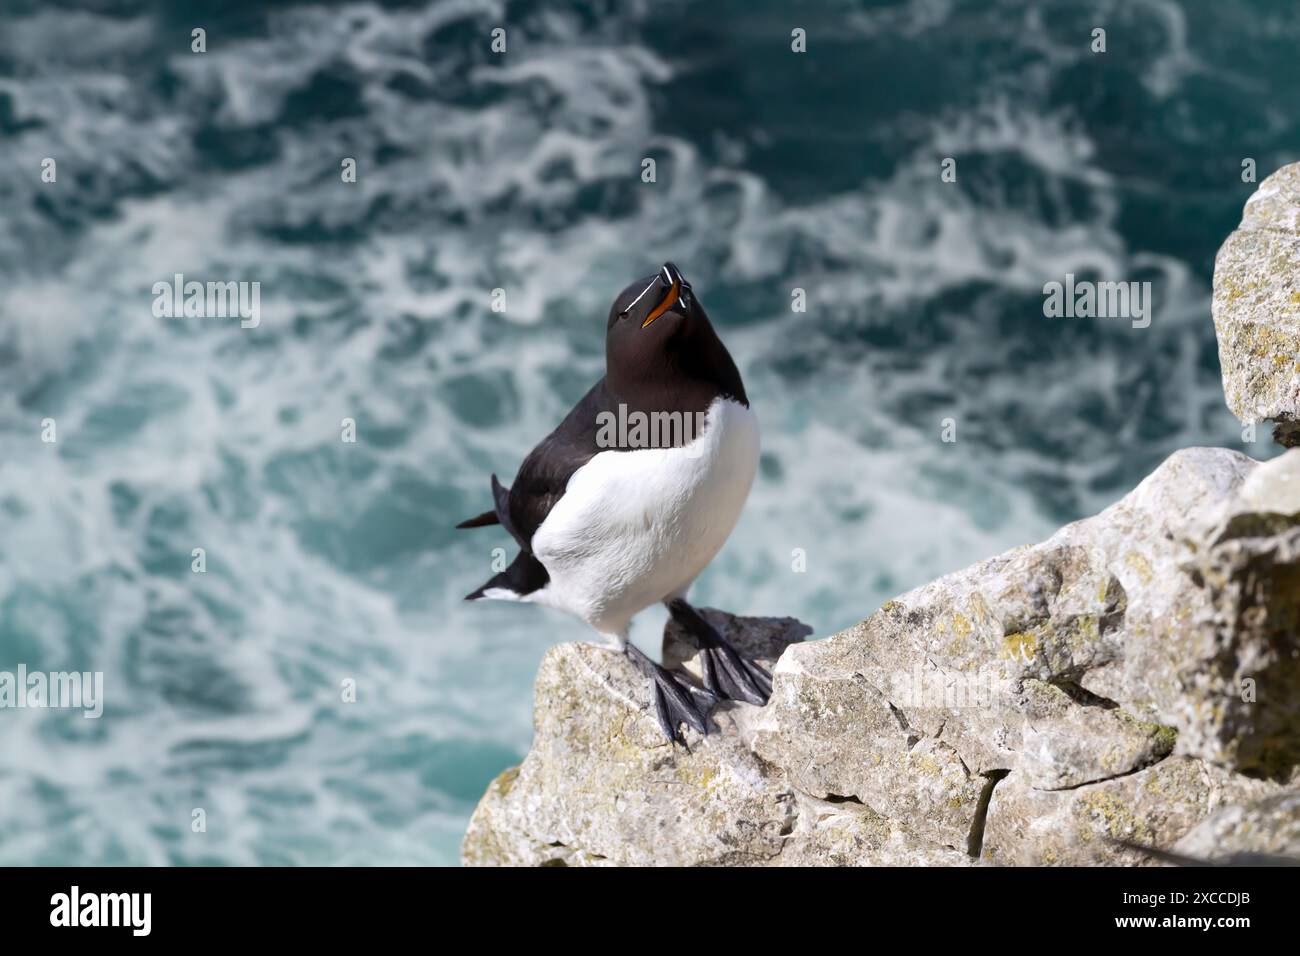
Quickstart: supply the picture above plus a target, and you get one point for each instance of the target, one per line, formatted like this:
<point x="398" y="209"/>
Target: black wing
<point x="546" y="471"/>
<point x="500" y="513"/>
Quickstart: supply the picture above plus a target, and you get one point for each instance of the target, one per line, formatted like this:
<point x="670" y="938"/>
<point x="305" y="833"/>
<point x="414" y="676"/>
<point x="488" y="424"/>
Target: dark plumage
<point x="645" y="520"/>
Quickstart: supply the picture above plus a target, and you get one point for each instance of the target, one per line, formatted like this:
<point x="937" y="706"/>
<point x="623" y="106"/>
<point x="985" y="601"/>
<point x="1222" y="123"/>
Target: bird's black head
<point x="664" y="300"/>
<point x="659" y="341"/>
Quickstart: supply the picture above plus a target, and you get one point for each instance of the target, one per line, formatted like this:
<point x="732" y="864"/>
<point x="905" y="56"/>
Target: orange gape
<point x="665" y="305"/>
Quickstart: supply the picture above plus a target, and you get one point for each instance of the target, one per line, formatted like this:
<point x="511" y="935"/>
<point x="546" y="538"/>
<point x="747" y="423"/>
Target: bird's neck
<point x="687" y="375"/>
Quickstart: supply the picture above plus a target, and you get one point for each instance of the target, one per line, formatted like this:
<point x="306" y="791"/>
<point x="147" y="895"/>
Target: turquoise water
<point x="330" y="561"/>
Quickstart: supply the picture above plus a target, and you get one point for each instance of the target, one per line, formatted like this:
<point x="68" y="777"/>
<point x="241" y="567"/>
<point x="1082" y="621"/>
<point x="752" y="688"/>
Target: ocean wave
<point x="329" y="561"/>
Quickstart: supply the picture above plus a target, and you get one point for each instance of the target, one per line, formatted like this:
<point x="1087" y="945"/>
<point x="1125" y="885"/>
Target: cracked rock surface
<point x="1133" y="678"/>
<point x="1266" y="830"/>
<point x="1257" y="307"/>
<point x="601" y="785"/>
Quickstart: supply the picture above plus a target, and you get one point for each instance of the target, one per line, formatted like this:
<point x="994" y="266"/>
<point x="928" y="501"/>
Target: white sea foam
<point x="328" y="561"/>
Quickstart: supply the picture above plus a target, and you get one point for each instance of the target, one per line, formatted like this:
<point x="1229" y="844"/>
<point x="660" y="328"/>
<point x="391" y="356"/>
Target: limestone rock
<point x="1085" y="657"/>
<point x="838" y="736"/>
<point x="602" y="785"/>
<point x="848" y="833"/>
<point x="1257" y="305"/>
<point x="1261" y="831"/>
<point x="1067" y="746"/>
<point x="1240" y="703"/>
<point x="1082" y="826"/>
<point x="1121" y="681"/>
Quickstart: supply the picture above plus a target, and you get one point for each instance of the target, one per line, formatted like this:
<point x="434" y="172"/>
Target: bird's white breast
<point x="637" y="527"/>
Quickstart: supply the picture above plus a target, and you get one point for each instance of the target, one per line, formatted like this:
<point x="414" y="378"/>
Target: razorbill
<point x="628" y="500"/>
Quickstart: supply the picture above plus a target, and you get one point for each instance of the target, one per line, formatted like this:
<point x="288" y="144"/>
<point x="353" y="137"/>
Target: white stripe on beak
<point x="632" y="305"/>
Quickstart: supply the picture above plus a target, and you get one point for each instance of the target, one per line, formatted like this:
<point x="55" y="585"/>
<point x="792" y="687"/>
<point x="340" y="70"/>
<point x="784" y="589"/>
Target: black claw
<point x="731" y="676"/>
<point x="726" y="673"/>
<point x="676" y="701"/>
<point x="661" y="715"/>
<point x="673" y="701"/>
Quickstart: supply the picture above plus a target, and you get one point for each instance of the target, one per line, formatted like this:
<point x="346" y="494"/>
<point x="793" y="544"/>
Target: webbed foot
<point x="726" y="674"/>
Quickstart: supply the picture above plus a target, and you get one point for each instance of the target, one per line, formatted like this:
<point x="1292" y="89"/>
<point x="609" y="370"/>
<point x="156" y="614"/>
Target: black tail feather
<point x="500" y="514"/>
<point x="501" y="495"/>
<point x="524" y="576"/>
<point x="480" y="521"/>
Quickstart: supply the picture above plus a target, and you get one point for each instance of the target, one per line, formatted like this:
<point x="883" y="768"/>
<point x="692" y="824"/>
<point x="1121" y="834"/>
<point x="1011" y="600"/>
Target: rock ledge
<point x="1125" y="680"/>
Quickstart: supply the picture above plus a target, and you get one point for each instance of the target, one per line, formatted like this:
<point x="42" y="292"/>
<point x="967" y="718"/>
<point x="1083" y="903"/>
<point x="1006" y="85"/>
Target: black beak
<point x="676" y="292"/>
<point x="671" y="273"/>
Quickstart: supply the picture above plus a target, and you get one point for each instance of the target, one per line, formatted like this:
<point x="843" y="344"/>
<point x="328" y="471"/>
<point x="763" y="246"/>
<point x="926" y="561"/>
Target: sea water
<point x="247" y="529"/>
